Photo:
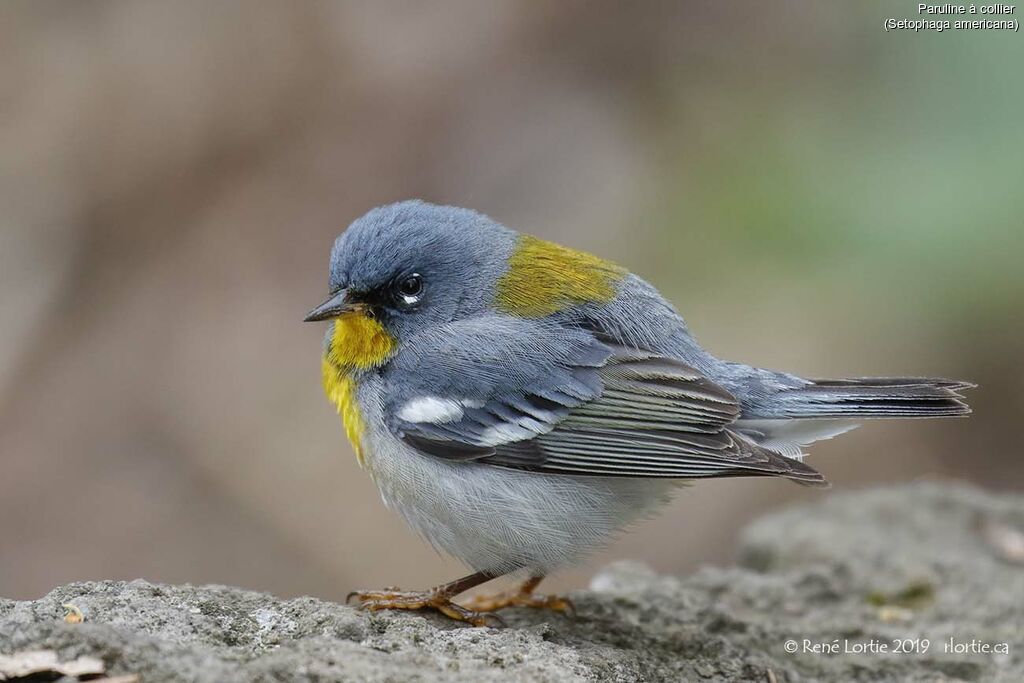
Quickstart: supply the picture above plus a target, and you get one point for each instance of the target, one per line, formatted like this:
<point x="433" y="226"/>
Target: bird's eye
<point x="412" y="285"/>
<point x="410" y="289"/>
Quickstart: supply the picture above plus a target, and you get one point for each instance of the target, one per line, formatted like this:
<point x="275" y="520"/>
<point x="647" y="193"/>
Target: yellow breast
<point x="357" y="343"/>
<point x="544" y="278"/>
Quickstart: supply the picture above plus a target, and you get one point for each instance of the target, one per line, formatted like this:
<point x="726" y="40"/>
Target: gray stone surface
<point x="933" y="561"/>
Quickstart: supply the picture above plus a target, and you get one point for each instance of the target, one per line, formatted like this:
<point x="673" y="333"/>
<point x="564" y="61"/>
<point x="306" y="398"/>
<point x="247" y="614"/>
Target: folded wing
<point x="559" y="401"/>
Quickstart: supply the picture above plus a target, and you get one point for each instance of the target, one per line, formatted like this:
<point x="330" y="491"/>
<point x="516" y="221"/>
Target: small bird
<point x="519" y="402"/>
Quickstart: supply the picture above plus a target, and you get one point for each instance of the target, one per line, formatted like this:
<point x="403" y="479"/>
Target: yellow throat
<point x="357" y="343"/>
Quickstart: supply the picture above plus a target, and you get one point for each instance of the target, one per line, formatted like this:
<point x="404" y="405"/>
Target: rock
<point x="859" y="570"/>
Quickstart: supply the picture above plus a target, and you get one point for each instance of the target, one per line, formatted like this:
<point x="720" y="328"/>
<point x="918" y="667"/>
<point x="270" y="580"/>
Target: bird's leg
<point x="523" y="597"/>
<point x="438" y="598"/>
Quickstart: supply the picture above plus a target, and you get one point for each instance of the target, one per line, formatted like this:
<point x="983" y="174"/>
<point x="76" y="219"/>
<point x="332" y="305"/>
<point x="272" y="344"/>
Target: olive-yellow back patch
<point x="358" y="342"/>
<point x="544" y="278"/>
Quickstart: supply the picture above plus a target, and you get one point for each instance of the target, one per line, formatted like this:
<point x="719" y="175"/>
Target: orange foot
<point x="524" y="597"/>
<point x="417" y="600"/>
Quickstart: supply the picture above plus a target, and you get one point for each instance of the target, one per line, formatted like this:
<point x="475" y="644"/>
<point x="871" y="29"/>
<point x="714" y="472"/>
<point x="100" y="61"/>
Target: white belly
<point x="499" y="520"/>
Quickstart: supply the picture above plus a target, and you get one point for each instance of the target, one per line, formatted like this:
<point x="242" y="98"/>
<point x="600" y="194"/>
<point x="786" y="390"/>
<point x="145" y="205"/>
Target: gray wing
<point x="558" y="400"/>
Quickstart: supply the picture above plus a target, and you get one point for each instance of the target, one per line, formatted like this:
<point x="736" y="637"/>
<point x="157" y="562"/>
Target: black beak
<point x="338" y="304"/>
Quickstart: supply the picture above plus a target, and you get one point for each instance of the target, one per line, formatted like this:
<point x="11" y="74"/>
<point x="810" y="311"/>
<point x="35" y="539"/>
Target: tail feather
<point x="877" y="397"/>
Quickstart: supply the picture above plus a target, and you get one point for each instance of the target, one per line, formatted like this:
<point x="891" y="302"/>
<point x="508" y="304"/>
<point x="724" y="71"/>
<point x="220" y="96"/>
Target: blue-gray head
<point x="411" y="264"/>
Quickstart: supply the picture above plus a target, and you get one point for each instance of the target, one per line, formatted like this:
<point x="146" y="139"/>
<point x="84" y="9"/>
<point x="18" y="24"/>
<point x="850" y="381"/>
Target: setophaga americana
<point x="518" y="402"/>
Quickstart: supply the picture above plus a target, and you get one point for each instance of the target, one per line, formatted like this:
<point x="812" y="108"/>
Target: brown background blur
<point x="814" y="194"/>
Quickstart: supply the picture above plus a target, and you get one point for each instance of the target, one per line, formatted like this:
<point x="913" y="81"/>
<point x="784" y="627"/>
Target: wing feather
<point x="584" y="407"/>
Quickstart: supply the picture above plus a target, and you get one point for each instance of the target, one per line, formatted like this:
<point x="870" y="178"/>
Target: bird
<point x="519" y="403"/>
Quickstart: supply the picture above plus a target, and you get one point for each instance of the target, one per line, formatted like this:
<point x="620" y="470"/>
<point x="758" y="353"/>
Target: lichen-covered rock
<point x="858" y="571"/>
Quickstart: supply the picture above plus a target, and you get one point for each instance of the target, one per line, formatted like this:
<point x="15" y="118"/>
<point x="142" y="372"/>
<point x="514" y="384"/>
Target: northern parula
<point x="518" y="402"/>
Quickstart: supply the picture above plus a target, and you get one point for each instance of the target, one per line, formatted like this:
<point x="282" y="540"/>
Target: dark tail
<point x="877" y="397"/>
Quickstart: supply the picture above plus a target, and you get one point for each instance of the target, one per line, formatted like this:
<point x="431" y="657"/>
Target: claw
<point x="460" y="613"/>
<point x="409" y="600"/>
<point x="523" y="597"/>
<point x="490" y="603"/>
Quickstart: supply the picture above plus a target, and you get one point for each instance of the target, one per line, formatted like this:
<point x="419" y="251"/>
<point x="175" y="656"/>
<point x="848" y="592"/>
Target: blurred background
<point x="814" y="194"/>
